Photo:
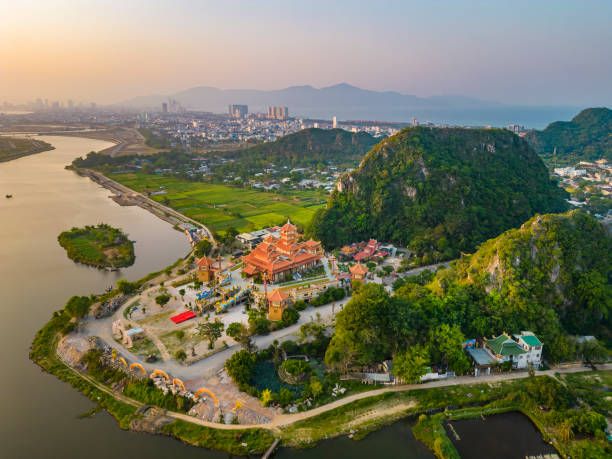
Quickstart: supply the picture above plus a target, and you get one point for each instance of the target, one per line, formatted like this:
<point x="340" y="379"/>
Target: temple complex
<point x="277" y="257"/>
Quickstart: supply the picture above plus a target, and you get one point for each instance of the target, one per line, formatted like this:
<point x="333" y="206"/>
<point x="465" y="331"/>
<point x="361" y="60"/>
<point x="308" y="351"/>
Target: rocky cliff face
<point x="560" y="262"/>
<point x="441" y="191"/>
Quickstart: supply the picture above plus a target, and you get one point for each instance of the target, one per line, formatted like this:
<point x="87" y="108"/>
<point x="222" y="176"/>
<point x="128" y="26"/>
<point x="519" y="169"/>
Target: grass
<point x="257" y="441"/>
<point x="431" y="432"/>
<point x="101" y="246"/>
<point x="144" y="347"/>
<point x="220" y="207"/>
<point x="15" y="147"/>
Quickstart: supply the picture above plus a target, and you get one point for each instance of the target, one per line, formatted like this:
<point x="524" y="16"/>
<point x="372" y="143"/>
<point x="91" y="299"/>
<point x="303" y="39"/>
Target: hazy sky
<point x="521" y="52"/>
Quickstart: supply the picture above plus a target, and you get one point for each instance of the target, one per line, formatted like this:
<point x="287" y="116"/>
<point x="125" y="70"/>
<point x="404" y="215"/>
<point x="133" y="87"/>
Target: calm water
<point x="503" y="436"/>
<point x="39" y="412"/>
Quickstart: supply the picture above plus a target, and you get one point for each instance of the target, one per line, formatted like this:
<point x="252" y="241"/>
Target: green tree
<point x="240" y="367"/>
<point x="125" y="287"/>
<point x="446" y="347"/>
<point x="361" y="335"/>
<point x="234" y="330"/>
<point x="78" y="306"/>
<point x="162" y="299"/>
<point x="202" y="248"/>
<point x="290" y="316"/>
<point x="211" y="331"/>
<point x="285" y="397"/>
<point x="180" y="355"/>
<point x="316" y="387"/>
<point x="411" y="364"/>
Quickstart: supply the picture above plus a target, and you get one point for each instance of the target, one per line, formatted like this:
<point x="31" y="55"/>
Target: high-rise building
<point x="278" y="113"/>
<point x="164" y="107"/>
<point x="70" y="104"/>
<point x="238" y="111"/>
<point x="334" y="123"/>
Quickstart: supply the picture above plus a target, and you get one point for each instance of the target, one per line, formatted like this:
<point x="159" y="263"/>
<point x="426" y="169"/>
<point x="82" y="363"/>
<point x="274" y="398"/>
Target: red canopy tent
<point x="182" y="317"/>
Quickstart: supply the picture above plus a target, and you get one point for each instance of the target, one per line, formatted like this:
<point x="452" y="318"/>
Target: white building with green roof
<point x="524" y="350"/>
<point x="532" y="346"/>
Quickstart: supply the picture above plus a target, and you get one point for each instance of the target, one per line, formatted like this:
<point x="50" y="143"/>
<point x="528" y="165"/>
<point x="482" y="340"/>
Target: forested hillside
<point x="307" y="148"/>
<point x="586" y="137"/>
<point x="551" y="276"/>
<point x="440" y="191"/>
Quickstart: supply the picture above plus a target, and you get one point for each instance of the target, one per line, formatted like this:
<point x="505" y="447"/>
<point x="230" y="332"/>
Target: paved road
<point x="209" y="365"/>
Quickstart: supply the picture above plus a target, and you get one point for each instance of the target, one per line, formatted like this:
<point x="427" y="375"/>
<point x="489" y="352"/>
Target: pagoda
<point x="283" y="255"/>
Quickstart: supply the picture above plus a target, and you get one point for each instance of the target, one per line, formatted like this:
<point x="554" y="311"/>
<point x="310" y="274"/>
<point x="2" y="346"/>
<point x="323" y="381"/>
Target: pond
<point x="396" y="440"/>
<point x="503" y="436"/>
<point x="265" y="377"/>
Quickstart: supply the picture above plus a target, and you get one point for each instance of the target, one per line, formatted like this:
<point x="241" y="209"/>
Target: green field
<point x="220" y="207"/>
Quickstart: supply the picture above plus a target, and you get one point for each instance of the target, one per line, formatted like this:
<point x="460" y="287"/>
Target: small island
<point x="102" y="246"/>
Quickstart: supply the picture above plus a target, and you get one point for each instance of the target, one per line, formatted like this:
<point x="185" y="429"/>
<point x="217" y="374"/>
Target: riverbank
<point x="355" y="416"/>
<point x="127" y="197"/>
<point x="17" y="147"/>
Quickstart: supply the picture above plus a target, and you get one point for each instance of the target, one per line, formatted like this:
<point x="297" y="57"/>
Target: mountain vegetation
<point x="551" y="276"/>
<point x="588" y="136"/>
<point x="305" y="148"/>
<point x="440" y="191"/>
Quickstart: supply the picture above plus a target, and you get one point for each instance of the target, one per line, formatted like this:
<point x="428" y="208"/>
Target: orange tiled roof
<point x="277" y="296"/>
<point x="250" y="270"/>
<point x="358" y="269"/>
<point x="276" y="255"/>
<point x="205" y="262"/>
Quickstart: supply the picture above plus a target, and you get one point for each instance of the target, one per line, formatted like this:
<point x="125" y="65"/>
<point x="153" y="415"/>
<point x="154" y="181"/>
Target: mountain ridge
<point x="442" y="191"/>
<point x="298" y="96"/>
<point x="587" y="136"/>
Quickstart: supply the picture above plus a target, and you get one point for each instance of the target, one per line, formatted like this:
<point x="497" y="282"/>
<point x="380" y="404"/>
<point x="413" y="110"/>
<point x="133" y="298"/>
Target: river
<point x="39" y="412"/>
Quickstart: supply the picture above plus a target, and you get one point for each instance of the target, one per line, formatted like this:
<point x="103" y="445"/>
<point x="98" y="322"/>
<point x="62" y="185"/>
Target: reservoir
<point x="39" y="412"/>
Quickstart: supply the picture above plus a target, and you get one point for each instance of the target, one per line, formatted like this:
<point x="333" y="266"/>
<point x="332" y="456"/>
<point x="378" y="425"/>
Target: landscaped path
<point x="286" y="419"/>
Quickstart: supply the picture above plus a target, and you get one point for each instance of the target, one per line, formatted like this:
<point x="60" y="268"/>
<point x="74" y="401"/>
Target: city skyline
<point x="550" y="53"/>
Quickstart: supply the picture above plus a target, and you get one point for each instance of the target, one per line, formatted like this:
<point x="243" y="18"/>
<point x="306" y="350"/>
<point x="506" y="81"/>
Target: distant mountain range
<point x="348" y="102"/>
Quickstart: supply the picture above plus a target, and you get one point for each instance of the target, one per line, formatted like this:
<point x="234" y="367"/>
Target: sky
<point x="513" y="51"/>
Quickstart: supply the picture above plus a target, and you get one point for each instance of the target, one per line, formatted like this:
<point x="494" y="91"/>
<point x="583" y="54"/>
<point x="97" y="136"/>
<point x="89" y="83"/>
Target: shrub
<point x="290" y="316"/>
<point x="78" y="306"/>
<point x="290" y="347"/>
<point x="296" y="367"/>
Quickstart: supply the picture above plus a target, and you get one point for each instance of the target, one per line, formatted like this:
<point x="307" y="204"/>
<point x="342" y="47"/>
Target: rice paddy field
<point x="220" y="207"/>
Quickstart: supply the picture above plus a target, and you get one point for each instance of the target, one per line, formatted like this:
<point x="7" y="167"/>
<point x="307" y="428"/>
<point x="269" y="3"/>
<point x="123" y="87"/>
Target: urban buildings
<point x="278" y="113"/>
<point x="238" y="111"/>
